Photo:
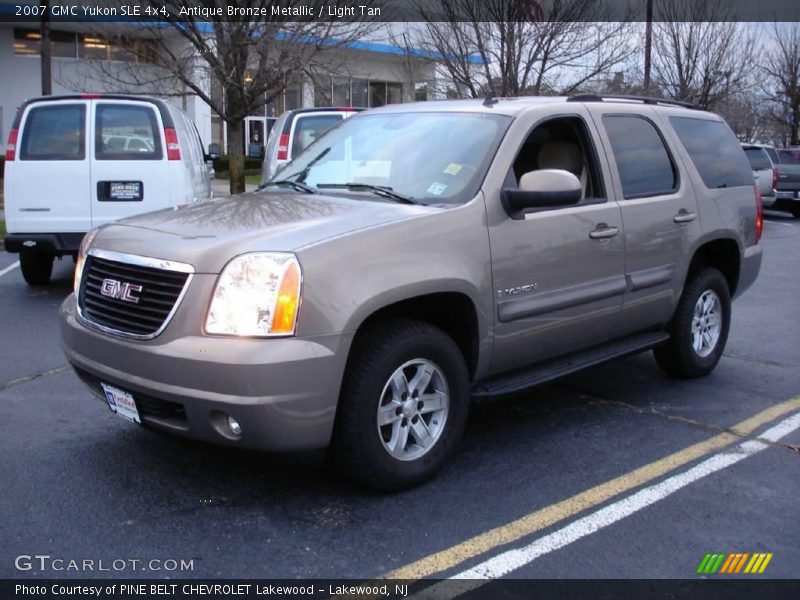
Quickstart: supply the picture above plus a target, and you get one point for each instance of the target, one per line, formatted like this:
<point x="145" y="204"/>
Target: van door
<point x="129" y="172"/>
<point x="52" y="170"/>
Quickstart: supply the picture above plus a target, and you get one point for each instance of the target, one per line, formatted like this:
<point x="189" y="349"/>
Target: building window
<point x="377" y="93"/>
<point x="394" y="93"/>
<point x="89" y="46"/>
<point x="322" y="91"/>
<point x="341" y="92"/>
<point x="360" y="93"/>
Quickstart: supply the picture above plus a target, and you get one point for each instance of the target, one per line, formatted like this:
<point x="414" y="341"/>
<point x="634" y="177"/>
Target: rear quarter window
<point x="715" y="152"/>
<point x="55" y="133"/>
<point x="126" y="132"/>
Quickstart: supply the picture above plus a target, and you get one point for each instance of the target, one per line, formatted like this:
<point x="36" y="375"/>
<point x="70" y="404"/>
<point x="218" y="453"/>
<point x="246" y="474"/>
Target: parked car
<point x="388" y="274"/>
<point x="765" y="173"/>
<point x="295" y="130"/>
<point x="787" y="188"/>
<point x="76" y="162"/>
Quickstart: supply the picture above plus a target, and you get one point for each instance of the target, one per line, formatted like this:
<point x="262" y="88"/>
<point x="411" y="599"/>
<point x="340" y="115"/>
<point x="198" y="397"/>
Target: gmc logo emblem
<point x="120" y="290"/>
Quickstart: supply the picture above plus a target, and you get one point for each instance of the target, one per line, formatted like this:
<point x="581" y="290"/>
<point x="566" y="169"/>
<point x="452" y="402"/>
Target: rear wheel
<point x="403" y="405"/>
<point x="796" y="211"/>
<point x="699" y="329"/>
<point x="36" y="267"/>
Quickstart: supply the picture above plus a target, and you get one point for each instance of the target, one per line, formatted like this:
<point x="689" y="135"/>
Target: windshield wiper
<point x="300" y="187"/>
<point x="378" y="190"/>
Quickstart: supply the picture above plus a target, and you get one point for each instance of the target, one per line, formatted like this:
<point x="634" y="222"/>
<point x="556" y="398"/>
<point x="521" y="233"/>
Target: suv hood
<point x="208" y="235"/>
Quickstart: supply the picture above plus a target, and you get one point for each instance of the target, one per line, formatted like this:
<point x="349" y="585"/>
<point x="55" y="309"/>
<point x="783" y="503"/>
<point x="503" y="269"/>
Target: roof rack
<point x="642" y="99"/>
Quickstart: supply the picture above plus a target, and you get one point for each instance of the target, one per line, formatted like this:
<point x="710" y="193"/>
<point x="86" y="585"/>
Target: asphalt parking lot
<point x="618" y="472"/>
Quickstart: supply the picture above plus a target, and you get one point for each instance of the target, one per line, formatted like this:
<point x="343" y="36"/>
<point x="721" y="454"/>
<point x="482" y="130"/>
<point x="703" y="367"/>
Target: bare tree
<point x="503" y="45"/>
<point x="249" y="57"/>
<point x="782" y="65"/>
<point x="701" y="54"/>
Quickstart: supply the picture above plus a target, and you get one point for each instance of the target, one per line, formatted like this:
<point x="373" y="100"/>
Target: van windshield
<point x="433" y="158"/>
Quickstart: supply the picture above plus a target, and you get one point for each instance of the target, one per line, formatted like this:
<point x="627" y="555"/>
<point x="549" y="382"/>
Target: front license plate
<point x="121" y="402"/>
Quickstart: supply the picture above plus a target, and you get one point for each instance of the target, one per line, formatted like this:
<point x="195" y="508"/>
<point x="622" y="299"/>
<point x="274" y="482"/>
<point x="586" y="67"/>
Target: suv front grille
<point x="129" y="298"/>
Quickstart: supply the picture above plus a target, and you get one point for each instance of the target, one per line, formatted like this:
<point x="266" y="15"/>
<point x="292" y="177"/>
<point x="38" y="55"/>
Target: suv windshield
<point x="432" y="158"/>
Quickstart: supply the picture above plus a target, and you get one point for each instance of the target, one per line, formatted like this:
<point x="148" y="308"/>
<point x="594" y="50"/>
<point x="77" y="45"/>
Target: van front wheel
<point x="36" y="267"/>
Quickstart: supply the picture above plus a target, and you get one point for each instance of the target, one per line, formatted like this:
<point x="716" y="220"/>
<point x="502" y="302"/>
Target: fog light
<point x="236" y="429"/>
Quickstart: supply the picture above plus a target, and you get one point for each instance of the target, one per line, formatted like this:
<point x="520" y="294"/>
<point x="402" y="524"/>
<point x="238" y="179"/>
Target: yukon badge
<point x="520" y="289"/>
<point x="120" y="290"/>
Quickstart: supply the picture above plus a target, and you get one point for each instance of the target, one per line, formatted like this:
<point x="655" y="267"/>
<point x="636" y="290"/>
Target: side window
<point x="307" y="129"/>
<point x="126" y="132"/>
<point x="773" y="156"/>
<point x="715" y="152"/>
<point x="55" y="132"/>
<point x="562" y="143"/>
<point x="644" y="164"/>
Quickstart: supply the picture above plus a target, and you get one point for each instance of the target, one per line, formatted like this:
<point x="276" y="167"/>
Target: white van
<point x="76" y="162"/>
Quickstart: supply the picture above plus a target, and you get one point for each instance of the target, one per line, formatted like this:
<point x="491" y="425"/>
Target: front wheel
<point x="699" y="329"/>
<point x="403" y="405"/>
<point x="37" y="268"/>
<point x="796" y="211"/>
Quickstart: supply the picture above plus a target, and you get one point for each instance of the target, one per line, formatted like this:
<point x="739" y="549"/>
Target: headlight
<point x="84" y="247"/>
<point x="257" y="294"/>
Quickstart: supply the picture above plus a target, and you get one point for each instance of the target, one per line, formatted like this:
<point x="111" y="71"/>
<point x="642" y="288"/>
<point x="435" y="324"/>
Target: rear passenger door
<point x="52" y="184"/>
<point x="130" y="173"/>
<point x="659" y="213"/>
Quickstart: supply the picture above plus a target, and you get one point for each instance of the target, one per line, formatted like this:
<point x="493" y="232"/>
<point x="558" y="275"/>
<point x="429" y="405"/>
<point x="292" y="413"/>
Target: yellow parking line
<point x="549" y="515"/>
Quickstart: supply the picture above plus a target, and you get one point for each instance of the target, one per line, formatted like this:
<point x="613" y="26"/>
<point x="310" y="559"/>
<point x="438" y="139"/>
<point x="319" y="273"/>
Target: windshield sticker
<point x="437" y="189"/>
<point x="452" y="169"/>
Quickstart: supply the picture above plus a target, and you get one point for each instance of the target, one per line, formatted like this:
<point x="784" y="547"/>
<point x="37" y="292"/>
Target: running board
<point x="515" y="381"/>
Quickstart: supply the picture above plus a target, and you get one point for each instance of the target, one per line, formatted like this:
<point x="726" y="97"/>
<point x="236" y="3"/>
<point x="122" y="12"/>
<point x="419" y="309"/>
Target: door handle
<point x="603" y="232"/>
<point x="684" y="216"/>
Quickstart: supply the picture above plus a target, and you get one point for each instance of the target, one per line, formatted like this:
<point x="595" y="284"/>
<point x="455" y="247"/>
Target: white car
<point x="76" y="162"/>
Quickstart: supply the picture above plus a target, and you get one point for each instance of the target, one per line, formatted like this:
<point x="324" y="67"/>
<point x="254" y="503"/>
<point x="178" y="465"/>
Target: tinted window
<point x="308" y="128"/>
<point x="54" y="133"/>
<point x="715" y="152"/>
<point x="126" y="132"/>
<point x="644" y="164"/>
<point x="758" y="159"/>
<point x="789" y="157"/>
<point x="772" y="155"/>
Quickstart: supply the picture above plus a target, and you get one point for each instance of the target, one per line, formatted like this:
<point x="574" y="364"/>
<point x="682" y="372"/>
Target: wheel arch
<point x="723" y="254"/>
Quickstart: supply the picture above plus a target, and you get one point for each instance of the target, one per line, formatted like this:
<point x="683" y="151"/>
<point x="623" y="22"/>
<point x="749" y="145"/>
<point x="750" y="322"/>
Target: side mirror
<point x="214" y="151"/>
<point x="542" y="189"/>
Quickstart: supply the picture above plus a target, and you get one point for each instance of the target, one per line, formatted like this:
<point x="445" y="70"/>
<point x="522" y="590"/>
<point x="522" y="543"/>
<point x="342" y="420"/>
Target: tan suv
<point x="415" y="257"/>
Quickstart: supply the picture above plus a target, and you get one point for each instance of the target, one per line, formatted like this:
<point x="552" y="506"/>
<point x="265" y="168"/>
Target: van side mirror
<point x="542" y="190"/>
<point x="214" y="152"/>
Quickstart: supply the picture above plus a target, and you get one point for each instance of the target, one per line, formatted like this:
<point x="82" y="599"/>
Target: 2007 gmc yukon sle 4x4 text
<point x="414" y="257"/>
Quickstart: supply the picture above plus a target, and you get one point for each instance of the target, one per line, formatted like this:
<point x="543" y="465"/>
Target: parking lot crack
<point x="685" y="420"/>
<point x="34" y="377"/>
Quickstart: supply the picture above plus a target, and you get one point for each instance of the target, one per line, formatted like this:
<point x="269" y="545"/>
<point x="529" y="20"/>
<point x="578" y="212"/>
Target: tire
<point x="385" y="362"/>
<point x="796" y="211"/>
<point x="687" y="354"/>
<point x="36" y="267"/>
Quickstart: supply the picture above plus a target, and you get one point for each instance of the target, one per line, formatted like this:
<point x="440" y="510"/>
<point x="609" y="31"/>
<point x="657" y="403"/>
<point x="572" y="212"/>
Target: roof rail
<point x="642" y="99"/>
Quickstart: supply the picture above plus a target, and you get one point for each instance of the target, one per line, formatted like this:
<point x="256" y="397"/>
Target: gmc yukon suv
<point x="415" y="257"/>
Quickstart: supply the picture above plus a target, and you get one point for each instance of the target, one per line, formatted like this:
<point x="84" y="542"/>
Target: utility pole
<point x="45" y="50"/>
<point x="648" y="43"/>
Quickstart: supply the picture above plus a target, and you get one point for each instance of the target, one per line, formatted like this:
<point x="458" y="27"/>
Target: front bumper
<point x="282" y="391"/>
